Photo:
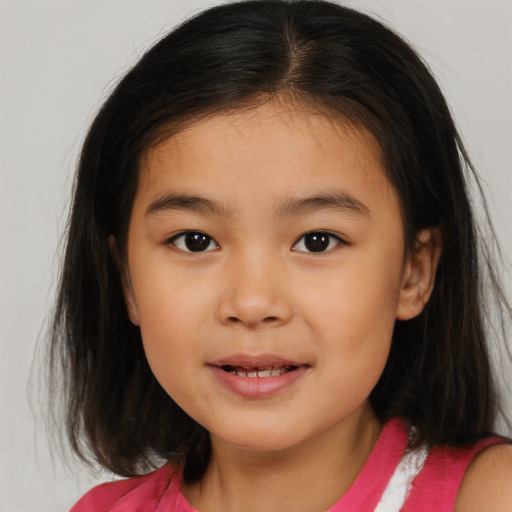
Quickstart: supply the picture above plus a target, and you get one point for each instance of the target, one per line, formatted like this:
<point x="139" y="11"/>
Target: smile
<point x="257" y="377"/>
<point x="261" y="373"/>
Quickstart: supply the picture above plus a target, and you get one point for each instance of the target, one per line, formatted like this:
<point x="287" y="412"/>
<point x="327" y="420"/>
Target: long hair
<point x="339" y="62"/>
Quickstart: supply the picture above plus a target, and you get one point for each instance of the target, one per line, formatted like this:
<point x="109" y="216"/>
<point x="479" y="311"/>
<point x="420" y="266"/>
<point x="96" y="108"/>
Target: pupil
<point x="317" y="242"/>
<point x="196" y="242"/>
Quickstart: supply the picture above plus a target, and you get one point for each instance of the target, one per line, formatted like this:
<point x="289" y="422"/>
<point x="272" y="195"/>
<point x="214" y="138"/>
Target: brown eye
<point x="316" y="241"/>
<point x="194" y="241"/>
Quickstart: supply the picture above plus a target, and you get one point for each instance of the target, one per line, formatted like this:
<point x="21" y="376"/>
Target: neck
<point x="310" y="476"/>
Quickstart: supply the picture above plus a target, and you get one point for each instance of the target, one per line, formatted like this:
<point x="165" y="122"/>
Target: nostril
<point x="266" y="320"/>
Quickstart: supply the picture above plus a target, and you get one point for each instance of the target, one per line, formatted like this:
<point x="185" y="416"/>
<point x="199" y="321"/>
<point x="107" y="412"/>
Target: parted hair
<point x="336" y="61"/>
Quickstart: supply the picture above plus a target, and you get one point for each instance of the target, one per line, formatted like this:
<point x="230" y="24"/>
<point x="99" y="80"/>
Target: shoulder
<point x="487" y="484"/>
<point x="133" y="492"/>
<point x="454" y="478"/>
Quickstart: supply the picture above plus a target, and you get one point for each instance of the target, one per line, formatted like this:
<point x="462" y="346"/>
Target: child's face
<point x="253" y="286"/>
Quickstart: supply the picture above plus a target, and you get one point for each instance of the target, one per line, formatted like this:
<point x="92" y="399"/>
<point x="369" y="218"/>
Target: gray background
<point x="58" y="60"/>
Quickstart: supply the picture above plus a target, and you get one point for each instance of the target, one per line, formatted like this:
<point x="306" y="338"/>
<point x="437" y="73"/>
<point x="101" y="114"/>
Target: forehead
<point x="264" y="152"/>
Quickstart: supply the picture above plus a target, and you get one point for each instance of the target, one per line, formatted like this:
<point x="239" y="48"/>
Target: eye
<point x="317" y="241"/>
<point x="194" y="241"/>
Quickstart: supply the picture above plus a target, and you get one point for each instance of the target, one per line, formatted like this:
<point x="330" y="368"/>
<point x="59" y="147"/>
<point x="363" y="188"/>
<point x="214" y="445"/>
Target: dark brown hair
<point x="337" y="61"/>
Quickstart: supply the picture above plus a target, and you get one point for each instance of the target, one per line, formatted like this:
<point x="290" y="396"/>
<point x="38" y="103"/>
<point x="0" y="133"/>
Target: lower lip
<point x="257" y="387"/>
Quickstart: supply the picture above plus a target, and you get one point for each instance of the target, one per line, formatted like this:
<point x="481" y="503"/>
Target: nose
<point x="256" y="292"/>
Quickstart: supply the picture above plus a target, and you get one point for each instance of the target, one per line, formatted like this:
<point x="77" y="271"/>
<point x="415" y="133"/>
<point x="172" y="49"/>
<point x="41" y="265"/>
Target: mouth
<point x="258" y="376"/>
<point x="259" y="372"/>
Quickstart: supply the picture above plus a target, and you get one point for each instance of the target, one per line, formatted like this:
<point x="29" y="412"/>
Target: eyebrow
<point x="339" y="201"/>
<point x="187" y="202"/>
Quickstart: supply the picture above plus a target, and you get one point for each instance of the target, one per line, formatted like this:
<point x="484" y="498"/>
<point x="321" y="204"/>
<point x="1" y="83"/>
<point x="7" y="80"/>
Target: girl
<point x="271" y="286"/>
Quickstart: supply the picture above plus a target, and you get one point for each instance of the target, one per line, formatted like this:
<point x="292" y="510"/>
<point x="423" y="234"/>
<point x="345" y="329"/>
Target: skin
<point x="257" y="290"/>
<point x="487" y="484"/>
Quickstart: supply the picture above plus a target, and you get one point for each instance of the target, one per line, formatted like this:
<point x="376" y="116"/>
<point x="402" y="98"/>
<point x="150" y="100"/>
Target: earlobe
<point x="131" y="306"/>
<point x="419" y="273"/>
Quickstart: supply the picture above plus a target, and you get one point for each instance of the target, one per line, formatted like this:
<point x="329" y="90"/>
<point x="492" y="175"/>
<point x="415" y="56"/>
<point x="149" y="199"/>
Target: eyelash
<point x="321" y="234"/>
<point x="205" y="241"/>
<point x="195" y="234"/>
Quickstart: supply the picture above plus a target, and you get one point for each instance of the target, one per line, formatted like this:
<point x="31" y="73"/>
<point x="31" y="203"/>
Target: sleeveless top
<point x="393" y="479"/>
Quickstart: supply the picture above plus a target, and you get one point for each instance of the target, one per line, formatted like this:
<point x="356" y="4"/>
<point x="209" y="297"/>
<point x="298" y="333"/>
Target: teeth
<point x="270" y="371"/>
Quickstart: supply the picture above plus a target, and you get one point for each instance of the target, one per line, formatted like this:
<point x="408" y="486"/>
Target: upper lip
<point x="254" y="361"/>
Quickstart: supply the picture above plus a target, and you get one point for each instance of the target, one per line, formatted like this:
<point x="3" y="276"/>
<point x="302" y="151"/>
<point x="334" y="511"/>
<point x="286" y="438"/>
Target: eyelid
<point x="339" y="240"/>
<point x="182" y="247"/>
<point x="172" y="241"/>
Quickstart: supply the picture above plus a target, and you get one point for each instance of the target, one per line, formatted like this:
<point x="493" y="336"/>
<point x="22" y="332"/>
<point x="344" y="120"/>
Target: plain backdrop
<point x="58" y="60"/>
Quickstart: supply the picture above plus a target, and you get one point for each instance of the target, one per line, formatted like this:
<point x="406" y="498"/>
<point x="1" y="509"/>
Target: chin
<point x="263" y="439"/>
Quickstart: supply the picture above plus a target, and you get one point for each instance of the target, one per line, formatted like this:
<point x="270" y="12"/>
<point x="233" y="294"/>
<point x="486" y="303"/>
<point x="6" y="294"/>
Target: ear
<point x="419" y="274"/>
<point x="126" y="283"/>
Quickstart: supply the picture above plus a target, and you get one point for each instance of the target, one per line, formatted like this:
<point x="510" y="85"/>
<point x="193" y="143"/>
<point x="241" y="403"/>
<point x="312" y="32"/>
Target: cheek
<point x="355" y="348"/>
<point x="354" y="314"/>
<point x="173" y="311"/>
<point x="166" y="295"/>
<point x="169" y="329"/>
<point x="359" y="301"/>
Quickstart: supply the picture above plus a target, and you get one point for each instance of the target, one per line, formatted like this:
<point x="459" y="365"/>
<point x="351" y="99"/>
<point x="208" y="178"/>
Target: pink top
<point x="434" y="488"/>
